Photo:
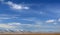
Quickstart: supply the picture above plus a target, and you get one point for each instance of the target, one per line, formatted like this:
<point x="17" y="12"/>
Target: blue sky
<point x="30" y="15"/>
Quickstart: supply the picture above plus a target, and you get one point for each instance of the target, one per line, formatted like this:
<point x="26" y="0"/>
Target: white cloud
<point x="16" y="6"/>
<point x="59" y="19"/>
<point x="37" y="24"/>
<point x="28" y="19"/>
<point x="26" y="7"/>
<point x="20" y="24"/>
<point x="4" y="18"/>
<point x="50" y="21"/>
<point x="24" y="25"/>
<point x="9" y="25"/>
<point x="14" y="23"/>
<point x="6" y="15"/>
<point x="6" y="26"/>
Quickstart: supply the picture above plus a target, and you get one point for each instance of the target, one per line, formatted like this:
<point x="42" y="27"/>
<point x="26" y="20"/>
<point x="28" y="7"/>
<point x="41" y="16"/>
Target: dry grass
<point x="32" y="34"/>
<point x="29" y="34"/>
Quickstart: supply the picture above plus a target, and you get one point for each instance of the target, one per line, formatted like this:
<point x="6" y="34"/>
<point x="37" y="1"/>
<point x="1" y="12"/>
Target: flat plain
<point x="30" y="34"/>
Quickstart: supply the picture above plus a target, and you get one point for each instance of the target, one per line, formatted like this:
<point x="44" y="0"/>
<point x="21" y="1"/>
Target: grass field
<point x="29" y="34"/>
<point x="32" y="34"/>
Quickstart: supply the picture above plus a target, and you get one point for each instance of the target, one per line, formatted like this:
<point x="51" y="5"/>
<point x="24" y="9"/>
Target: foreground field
<point x="34" y="34"/>
<point x="29" y="34"/>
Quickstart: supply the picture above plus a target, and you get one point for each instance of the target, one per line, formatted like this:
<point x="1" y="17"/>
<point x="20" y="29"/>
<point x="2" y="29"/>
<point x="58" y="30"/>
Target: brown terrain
<point x="29" y="33"/>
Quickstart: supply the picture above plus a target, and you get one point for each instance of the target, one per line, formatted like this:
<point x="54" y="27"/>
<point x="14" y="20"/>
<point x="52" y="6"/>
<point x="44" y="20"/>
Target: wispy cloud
<point x="59" y="19"/>
<point x="1" y="0"/>
<point x="36" y="23"/>
<point x="9" y="25"/>
<point x="6" y="26"/>
<point x="25" y="25"/>
<point x="15" y="25"/>
<point x="16" y="6"/>
<point x="50" y="21"/>
<point x="5" y="16"/>
<point x="37" y="26"/>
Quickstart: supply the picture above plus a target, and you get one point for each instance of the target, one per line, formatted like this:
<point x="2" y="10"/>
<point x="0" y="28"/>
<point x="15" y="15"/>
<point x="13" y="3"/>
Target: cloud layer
<point x="32" y="17"/>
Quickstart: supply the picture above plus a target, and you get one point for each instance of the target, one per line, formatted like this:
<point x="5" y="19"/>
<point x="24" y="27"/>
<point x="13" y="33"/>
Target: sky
<point x="30" y="15"/>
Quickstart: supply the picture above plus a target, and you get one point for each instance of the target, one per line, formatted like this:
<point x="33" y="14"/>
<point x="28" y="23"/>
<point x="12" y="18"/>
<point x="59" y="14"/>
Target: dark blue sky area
<point x="35" y="1"/>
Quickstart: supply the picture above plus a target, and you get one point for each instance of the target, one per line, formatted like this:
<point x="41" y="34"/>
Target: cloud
<point x="26" y="7"/>
<point x="37" y="23"/>
<point x="59" y="19"/>
<point x="6" y="26"/>
<point x="1" y="0"/>
<point x="50" y="21"/>
<point x="17" y="6"/>
<point x="6" y="16"/>
<point x="28" y="19"/>
<point x="20" y="24"/>
<point x="54" y="23"/>
<point x="9" y="25"/>
<point x="24" y="25"/>
<point x="41" y="13"/>
<point x="14" y="23"/>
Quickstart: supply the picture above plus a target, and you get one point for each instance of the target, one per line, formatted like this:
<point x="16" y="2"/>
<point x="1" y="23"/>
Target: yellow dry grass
<point x="34" y="34"/>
